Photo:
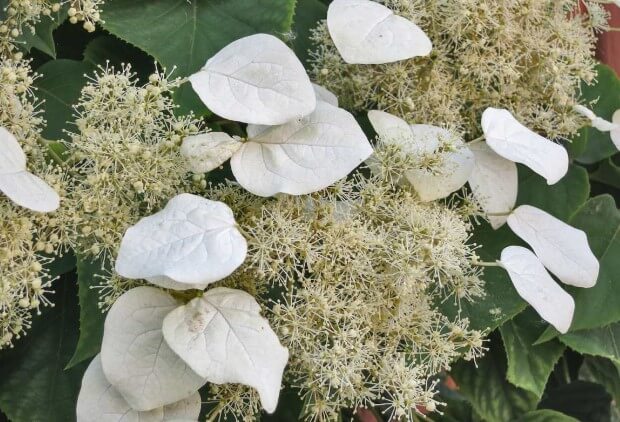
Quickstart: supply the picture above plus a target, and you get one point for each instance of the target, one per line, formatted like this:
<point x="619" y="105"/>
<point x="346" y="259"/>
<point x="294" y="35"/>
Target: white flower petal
<point x="135" y="358"/>
<point x="456" y="166"/>
<point x="536" y="287"/>
<point x="29" y="191"/>
<point x="12" y="159"/>
<point x="615" y="133"/>
<point x="192" y="241"/>
<point x="223" y="337"/>
<point x="256" y="79"/>
<point x="563" y="249"/>
<point x="302" y="156"/>
<point x="208" y="151"/>
<point x="99" y="401"/>
<point x="390" y="128"/>
<point x="367" y="32"/>
<point x="22" y="187"/>
<point x="494" y="183"/>
<point x="325" y="95"/>
<point x="513" y="141"/>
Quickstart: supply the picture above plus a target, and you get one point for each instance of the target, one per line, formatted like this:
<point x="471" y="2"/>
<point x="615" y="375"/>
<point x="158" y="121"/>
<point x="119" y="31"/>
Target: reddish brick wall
<point x="608" y="49"/>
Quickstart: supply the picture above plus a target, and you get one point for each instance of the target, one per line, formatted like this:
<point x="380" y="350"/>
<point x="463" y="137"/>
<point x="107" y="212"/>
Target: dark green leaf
<point x="546" y="416"/>
<point x="604" y="341"/>
<point x="308" y="13"/>
<point x="608" y="173"/>
<point x="34" y="386"/>
<point x="108" y="49"/>
<point x="42" y="38"/>
<point x="606" y="373"/>
<point x="592" y="145"/>
<point x="61" y="265"/>
<point x="60" y="86"/>
<point x="529" y="366"/>
<point x="90" y="273"/>
<point x="491" y="396"/>
<point x="585" y="401"/>
<point x="185" y="34"/>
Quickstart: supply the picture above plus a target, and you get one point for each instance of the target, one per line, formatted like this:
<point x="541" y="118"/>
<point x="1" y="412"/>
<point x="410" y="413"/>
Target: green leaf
<point x="486" y="388"/>
<point x="42" y="38"/>
<point x="60" y="86"/>
<point x="546" y="415"/>
<point x="592" y="145"/>
<point x="604" y="341"/>
<point x="604" y="372"/>
<point x="502" y="301"/>
<point x="585" y="401"/>
<point x="90" y="273"/>
<point x="33" y="384"/>
<point x="308" y="13"/>
<point x="113" y="51"/>
<point x="597" y="306"/>
<point x="607" y="173"/>
<point x="529" y="366"/>
<point x="185" y="34"/>
<point x="61" y="264"/>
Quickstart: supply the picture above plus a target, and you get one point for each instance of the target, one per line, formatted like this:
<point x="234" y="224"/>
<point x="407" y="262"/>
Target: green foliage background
<point x="530" y="373"/>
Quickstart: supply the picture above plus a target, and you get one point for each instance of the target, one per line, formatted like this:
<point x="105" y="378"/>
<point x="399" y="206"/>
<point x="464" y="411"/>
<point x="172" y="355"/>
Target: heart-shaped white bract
<point x="21" y="186"/>
<point x="208" y="151"/>
<point x="99" y="401"/>
<point x="615" y="132"/>
<point x="563" y="249"/>
<point x="189" y="244"/>
<point x="494" y="183"/>
<point x="423" y="141"/>
<point x="536" y="287"/>
<point x="256" y="79"/>
<point x="515" y="142"/>
<point x="223" y="337"/>
<point x="366" y="32"/>
<point x="302" y="156"/>
<point x="135" y="358"/>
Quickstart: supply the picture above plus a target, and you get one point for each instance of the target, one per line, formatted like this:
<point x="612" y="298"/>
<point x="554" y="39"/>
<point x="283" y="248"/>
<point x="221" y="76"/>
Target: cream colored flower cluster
<point x="528" y="56"/>
<point x="355" y="272"/>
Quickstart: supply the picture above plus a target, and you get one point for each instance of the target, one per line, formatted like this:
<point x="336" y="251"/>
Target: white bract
<point x="99" y="401"/>
<point x="494" y="183"/>
<point x="224" y="339"/>
<point x="303" y="155"/>
<point x="189" y="244"/>
<point x="423" y="141"/>
<point x="208" y="151"/>
<point x="21" y="186"/>
<point x="515" y="142"/>
<point x="135" y="358"/>
<point x="563" y="249"/>
<point x="596" y="121"/>
<point x="536" y="287"/>
<point x="366" y="32"/>
<point x="615" y="132"/>
<point x="256" y="79"/>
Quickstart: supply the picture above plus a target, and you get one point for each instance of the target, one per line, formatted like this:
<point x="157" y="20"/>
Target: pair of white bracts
<point x="157" y="352"/>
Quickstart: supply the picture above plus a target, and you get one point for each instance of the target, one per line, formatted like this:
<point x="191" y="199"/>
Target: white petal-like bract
<point x="135" y="357"/>
<point x="325" y="95"/>
<point x="223" y="337"/>
<point x="563" y="249"/>
<point x="536" y="287"/>
<point x="99" y="401"/>
<point x="21" y="186"/>
<point x="302" y="156"/>
<point x="615" y="132"/>
<point x="256" y="79"/>
<point x="515" y="142"/>
<point x="208" y="151"/>
<point x="494" y="183"/>
<point x="366" y="32"/>
<point x="193" y="241"/>
<point x="390" y="128"/>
